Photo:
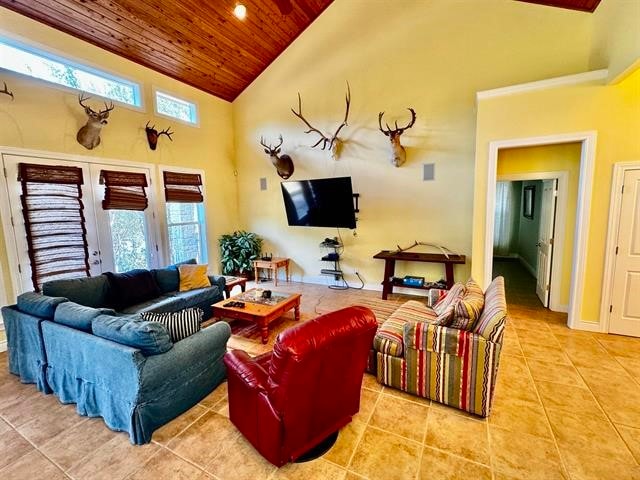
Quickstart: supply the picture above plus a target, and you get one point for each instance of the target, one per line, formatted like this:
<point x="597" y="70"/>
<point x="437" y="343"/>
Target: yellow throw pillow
<point x="193" y="276"/>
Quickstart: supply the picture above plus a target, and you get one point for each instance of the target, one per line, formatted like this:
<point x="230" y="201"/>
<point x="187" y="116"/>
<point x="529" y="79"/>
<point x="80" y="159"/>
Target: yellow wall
<point x="432" y="56"/>
<point x="46" y="118"/>
<point x="551" y="158"/>
<point x="612" y="111"/>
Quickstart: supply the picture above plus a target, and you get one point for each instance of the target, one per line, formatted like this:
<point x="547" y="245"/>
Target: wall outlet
<point x="263" y="183"/>
<point x="428" y="171"/>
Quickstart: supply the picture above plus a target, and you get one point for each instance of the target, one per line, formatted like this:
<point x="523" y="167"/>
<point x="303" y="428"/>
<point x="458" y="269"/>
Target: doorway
<point x="529" y="237"/>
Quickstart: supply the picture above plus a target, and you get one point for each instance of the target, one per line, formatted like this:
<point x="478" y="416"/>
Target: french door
<point x="117" y="240"/>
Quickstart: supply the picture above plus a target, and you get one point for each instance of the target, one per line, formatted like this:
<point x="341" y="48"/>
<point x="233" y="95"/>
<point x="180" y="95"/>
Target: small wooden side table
<point x="231" y="282"/>
<point x="274" y="265"/>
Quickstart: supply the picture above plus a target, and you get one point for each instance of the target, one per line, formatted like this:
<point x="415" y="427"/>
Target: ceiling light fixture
<point x="240" y="11"/>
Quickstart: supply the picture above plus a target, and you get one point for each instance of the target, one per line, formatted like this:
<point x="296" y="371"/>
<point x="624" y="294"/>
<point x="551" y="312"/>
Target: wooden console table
<point x="274" y="264"/>
<point x="390" y="266"/>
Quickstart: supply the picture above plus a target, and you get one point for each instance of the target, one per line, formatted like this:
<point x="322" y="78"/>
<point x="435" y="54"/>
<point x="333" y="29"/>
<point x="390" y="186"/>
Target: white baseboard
<point x="559" y="308"/>
<point x="587" y="326"/>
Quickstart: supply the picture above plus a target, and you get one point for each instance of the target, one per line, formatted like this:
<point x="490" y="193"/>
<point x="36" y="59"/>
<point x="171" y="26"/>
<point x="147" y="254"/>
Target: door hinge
<point x="157" y="248"/>
<point x="12" y="224"/>
<point x="616" y="250"/>
<point x="622" y="191"/>
<point x="19" y="268"/>
<point x="547" y="287"/>
<point x="551" y="241"/>
<point x="4" y="169"/>
<point x="610" y="308"/>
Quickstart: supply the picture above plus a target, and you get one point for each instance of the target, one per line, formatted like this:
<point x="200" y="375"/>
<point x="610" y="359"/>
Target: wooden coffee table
<point x="259" y="313"/>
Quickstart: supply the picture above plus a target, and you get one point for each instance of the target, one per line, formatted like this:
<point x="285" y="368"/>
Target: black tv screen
<point x="324" y="202"/>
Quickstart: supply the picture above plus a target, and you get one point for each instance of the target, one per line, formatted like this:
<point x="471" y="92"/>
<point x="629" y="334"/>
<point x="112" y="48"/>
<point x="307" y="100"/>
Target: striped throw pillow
<point x="451" y="297"/>
<point x="469" y="307"/>
<point x="180" y="324"/>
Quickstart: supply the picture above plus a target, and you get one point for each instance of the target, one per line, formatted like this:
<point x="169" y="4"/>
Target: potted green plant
<point x="237" y="251"/>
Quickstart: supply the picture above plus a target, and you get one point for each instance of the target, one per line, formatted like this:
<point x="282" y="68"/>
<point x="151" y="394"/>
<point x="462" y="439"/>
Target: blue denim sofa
<point x="112" y="365"/>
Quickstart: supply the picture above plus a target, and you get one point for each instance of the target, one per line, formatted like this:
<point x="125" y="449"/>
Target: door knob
<point x="538" y="244"/>
<point x="96" y="262"/>
<point x="95" y="253"/>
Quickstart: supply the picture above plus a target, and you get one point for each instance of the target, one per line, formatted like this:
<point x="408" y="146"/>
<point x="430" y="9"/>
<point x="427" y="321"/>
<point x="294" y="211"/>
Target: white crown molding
<point x="579" y="78"/>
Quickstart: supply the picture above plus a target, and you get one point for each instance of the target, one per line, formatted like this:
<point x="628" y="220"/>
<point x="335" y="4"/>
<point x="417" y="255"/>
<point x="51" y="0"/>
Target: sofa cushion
<point x="78" y="316"/>
<point x="38" y="305"/>
<point x="129" y="288"/>
<point x="164" y="303"/>
<point x="193" y="276"/>
<point x="151" y="338"/>
<point x="468" y="307"/>
<point x="494" y="315"/>
<point x="199" y="297"/>
<point x="389" y="337"/>
<point x="87" y="291"/>
<point x="168" y="278"/>
<point x="180" y="324"/>
<point x="456" y="291"/>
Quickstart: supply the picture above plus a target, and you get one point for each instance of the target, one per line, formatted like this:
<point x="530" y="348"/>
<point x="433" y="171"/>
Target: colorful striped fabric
<point x="451" y="366"/>
<point x="494" y="316"/>
<point x="388" y="339"/>
<point x="468" y="307"/>
<point x="450" y="298"/>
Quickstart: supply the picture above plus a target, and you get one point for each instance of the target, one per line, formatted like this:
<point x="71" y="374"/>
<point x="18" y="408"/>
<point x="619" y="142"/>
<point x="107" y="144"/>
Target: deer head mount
<point x="283" y="163"/>
<point x="398" y="153"/>
<point x="6" y="91"/>
<point x="334" y="143"/>
<point x="89" y="135"/>
<point x="153" y="135"/>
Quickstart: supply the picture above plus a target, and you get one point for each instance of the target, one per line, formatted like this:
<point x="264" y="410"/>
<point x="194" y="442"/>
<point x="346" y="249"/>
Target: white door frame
<point x="559" y="228"/>
<point x="617" y="180"/>
<point x="585" y="186"/>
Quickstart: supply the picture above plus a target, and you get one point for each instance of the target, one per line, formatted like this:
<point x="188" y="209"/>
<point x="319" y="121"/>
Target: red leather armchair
<point x="288" y="401"/>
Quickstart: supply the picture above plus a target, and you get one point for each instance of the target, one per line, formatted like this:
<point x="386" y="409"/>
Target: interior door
<point x="545" y="240"/>
<point x="22" y="279"/>
<point x="126" y="238"/>
<point x="625" y="300"/>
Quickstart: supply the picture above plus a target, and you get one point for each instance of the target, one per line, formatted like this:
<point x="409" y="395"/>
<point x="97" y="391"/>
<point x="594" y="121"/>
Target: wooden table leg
<point x="264" y="331"/>
<point x="275" y="275"/>
<point x="255" y="274"/>
<point x="286" y="266"/>
<point x="389" y="271"/>
<point x="296" y="312"/>
<point x="448" y="274"/>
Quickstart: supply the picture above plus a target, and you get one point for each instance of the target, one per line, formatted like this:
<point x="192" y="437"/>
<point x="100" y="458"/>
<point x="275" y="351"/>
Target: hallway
<point x="520" y="285"/>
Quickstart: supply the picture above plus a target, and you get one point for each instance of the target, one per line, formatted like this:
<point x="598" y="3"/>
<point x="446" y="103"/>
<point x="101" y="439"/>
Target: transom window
<point x="176" y="108"/>
<point x="51" y="68"/>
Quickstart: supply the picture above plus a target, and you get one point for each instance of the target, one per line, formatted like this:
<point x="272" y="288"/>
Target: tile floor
<point x="567" y="405"/>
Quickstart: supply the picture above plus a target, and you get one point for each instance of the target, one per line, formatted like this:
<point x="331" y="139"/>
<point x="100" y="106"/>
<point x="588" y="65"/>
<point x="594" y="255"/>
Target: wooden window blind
<point x="183" y="187"/>
<point x="124" y="190"/>
<point x="54" y="221"/>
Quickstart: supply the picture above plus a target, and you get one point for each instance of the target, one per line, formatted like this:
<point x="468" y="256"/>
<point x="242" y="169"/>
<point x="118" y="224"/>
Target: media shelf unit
<point x="333" y="256"/>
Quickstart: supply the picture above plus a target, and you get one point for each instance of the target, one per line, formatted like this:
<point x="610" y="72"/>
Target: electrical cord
<point x="357" y="274"/>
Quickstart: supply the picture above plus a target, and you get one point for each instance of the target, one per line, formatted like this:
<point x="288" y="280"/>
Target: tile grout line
<point x="366" y="424"/>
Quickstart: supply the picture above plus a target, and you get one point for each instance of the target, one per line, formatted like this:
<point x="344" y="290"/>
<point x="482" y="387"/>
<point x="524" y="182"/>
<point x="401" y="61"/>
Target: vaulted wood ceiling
<point x="198" y="42"/>
<point x="582" y="5"/>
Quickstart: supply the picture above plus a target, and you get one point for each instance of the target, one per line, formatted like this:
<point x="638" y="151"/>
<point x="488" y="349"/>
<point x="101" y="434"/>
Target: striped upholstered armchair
<point x="456" y="365"/>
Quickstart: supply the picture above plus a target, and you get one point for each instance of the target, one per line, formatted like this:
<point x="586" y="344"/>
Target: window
<point x="54" y="69"/>
<point x="176" y="108"/>
<point x="185" y="222"/>
<point x="129" y="240"/>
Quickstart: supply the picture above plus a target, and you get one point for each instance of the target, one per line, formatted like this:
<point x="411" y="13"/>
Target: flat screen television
<point x="323" y="202"/>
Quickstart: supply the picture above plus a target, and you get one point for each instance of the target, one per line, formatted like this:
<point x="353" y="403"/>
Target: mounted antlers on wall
<point x="283" y="163"/>
<point x="6" y="91"/>
<point x="89" y="135"/>
<point x="334" y="143"/>
<point x="153" y="135"/>
<point x="398" y="153"/>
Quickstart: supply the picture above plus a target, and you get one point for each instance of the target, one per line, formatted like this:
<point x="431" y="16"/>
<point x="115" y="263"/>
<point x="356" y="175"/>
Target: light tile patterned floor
<point x="567" y="406"/>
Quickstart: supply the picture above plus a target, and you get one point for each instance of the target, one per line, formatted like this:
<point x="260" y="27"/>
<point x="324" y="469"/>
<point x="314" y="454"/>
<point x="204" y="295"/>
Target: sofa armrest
<point x="244" y="368"/>
<point x="204" y="347"/>
<point x="440" y="339"/>
<point x="218" y="280"/>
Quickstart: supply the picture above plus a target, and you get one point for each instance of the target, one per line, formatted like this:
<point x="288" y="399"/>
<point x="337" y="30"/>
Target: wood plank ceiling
<point x="200" y="43"/>
<point x="582" y="5"/>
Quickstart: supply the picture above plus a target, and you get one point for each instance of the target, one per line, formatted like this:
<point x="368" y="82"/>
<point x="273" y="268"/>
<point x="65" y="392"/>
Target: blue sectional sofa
<point x="112" y="364"/>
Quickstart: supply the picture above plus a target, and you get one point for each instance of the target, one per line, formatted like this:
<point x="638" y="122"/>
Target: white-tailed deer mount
<point x="334" y="143"/>
<point x="283" y="163"/>
<point x="89" y="135"/>
<point x="398" y="154"/>
<point x="6" y="91"/>
<point x="153" y="135"/>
